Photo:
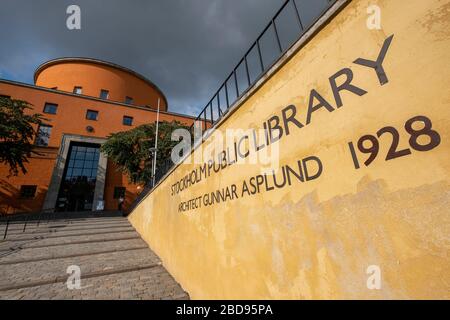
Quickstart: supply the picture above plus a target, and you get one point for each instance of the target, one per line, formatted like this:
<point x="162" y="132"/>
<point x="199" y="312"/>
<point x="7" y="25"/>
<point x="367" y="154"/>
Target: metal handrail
<point x="206" y="117"/>
<point x="203" y="116"/>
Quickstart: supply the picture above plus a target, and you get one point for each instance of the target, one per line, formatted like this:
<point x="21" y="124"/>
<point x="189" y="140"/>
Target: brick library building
<point x="84" y="101"/>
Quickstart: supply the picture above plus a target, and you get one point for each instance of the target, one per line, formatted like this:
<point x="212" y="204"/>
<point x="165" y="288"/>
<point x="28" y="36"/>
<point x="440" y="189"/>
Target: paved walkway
<point x="115" y="263"/>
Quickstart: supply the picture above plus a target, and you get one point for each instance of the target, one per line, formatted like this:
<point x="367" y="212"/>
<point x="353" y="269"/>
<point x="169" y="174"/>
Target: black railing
<point x="237" y="84"/>
<point x="242" y="78"/>
<point x="22" y="222"/>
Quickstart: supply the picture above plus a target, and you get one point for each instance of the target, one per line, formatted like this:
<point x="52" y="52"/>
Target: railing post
<point x="226" y="94"/>
<point x="6" y="229"/>
<point x="277" y="36"/>
<point x="299" y="20"/>
<point x="236" y="84"/>
<point x="246" y="69"/>
<point x="205" y="117"/>
<point x="212" y="114"/>
<point x="260" y="55"/>
<point x="218" y="106"/>
<point x="25" y="225"/>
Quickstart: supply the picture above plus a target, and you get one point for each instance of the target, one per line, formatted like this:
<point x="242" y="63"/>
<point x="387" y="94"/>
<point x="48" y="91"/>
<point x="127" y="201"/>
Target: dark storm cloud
<point x="187" y="47"/>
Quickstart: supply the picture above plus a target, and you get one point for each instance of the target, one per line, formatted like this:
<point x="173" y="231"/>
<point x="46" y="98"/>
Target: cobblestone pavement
<point x="115" y="263"/>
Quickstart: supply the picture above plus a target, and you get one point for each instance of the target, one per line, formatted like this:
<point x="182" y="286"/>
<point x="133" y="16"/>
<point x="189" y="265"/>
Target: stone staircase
<point x="114" y="262"/>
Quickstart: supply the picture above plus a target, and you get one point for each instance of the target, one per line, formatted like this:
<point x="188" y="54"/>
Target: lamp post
<point x="153" y="154"/>
<point x="155" y="149"/>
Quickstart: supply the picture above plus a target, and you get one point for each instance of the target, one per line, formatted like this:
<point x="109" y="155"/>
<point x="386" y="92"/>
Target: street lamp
<point x="153" y="155"/>
<point x="155" y="149"/>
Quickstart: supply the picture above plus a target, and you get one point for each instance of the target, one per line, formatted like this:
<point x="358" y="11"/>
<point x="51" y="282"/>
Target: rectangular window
<point x="43" y="135"/>
<point x="92" y="115"/>
<point x="27" y="192"/>
<point x="78" y="90"/>
<point x="119" y="192"/>
<point x="127" y="121"/>
<point x="128" y="100"/>
<point x="104" y="94"/>
<point x="50" y="108"/>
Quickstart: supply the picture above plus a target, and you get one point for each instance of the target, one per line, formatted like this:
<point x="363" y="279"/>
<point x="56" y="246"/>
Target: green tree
<point x="17" y="133"/>
<point x="131" y="150"/>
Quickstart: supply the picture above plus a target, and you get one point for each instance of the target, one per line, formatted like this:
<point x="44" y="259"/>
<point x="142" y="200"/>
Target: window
<point x="54" y="88"/>
<point x="27" y="192"/>
<point x="104" y="94"/>
<point x="43" y="135"/>
<point x="77" y="189"/>
<point x="78" y="90"/>
<point x="119" y="192"/>
<point x="127" y="121"/>
<point x="83" y="162"/>
<point x="50" y="108"/>
<point x="128" y="100"/>
<point x="92" y="115"/>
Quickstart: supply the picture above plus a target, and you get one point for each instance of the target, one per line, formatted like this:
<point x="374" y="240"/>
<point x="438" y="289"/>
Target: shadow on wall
<point x="11" y="202"/>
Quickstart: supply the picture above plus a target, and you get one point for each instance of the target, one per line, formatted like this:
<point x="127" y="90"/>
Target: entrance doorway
<point x="80" y="175"/>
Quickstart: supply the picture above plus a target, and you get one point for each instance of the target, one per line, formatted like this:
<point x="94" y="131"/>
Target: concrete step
<point x="34" y="229"/>
<point x="51" y="271"/>
<point x="69" y="250"/>
<point x="115" y="262"/>
<point x="31" y="225"/>
<point x="60" y="232"/>
<point x="76" y="239"/>
<point x="55" y="240"/>
<point x="79" y="216"/>
<point x="95" y="239"/>
<point x="149" y="283"/>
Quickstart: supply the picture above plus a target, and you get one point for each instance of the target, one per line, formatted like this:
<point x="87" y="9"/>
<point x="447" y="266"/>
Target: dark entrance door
<point x="78" y="183"/>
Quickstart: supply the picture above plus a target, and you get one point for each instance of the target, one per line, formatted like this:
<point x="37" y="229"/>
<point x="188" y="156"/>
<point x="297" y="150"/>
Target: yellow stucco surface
<point x="315" y="240"/>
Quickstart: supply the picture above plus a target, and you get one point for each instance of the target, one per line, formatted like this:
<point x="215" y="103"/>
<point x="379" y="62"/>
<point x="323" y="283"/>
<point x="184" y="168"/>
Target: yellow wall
<point x="315" y="240"/>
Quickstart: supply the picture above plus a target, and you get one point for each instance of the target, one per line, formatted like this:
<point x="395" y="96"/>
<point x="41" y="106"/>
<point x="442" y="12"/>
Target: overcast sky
<point x="186" y="47"/>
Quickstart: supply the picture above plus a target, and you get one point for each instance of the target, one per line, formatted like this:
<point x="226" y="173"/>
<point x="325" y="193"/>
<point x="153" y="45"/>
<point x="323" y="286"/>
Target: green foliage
<point x="17" y="133"/>
<point x="131" y="150"/>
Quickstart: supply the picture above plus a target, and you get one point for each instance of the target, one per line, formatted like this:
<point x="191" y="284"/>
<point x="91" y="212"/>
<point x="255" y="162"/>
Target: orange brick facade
<point x="70" y="119"/>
